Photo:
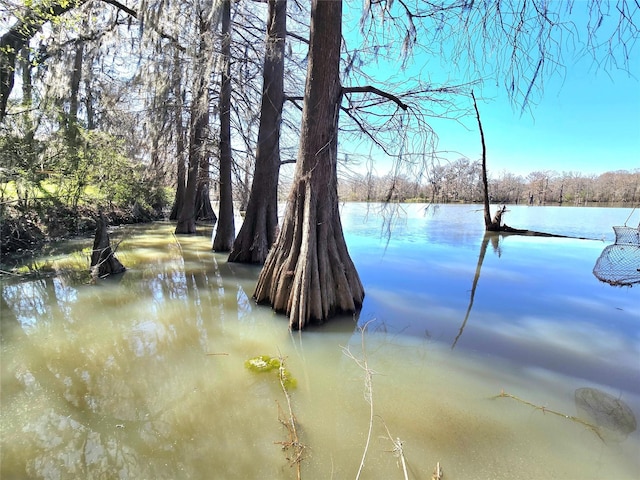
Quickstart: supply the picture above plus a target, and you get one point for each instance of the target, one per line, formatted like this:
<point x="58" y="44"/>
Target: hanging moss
<point x="265" y="363"/>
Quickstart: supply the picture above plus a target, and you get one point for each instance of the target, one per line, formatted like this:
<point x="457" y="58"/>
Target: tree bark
<point x="489" y="225"/>
<point x="260" y="226"/>
<point x="199" y="124"/>
<point x="74" y="86"/>
<point x="226" y="231"/>
<point x="187" y="217"/>
<point x="181" y="174"/>
<point x="181" y="171"/>
<point x="308" y="273"/>
<point x="204" y="210"/>
<point x="103" y="259"/>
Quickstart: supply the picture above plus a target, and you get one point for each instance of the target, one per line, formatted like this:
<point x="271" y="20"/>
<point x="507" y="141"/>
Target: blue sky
<point x="587" y="119"/>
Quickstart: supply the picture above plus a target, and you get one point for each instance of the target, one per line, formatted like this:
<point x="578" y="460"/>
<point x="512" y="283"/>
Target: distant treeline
<point x="461" y="181"/>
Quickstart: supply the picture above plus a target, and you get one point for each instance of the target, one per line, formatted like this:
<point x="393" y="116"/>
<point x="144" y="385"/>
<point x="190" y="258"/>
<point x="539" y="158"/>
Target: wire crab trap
<point x="619" y="264"/>
<point x="627" y="235"/>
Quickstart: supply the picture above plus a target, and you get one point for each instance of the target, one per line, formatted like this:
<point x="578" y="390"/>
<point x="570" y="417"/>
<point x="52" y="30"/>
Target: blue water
<point x="536" y="303"/>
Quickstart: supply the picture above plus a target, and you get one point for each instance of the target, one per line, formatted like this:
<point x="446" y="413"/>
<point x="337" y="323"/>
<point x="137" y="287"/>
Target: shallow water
<point x="143" y="376"/>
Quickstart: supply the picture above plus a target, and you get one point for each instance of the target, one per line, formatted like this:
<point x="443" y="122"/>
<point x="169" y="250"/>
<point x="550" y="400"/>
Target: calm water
<point x="143" y="376"/>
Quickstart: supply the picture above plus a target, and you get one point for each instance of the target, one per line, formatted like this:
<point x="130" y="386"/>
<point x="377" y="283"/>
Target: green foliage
<point x="265" y="363"/>
<point x="73" y="166"/>
<point x="20" y="171"/>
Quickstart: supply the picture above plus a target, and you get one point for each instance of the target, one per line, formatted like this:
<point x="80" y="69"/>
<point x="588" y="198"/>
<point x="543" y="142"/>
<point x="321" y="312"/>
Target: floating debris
<point x="614" y="419"/>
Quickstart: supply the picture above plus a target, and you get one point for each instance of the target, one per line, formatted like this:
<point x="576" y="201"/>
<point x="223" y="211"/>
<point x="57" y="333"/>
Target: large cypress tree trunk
<point x="308" y="273"/>
<point x="181" y="176"/>
<point x="204" y="210"/>
<point x="181" y="171"/>
<point x="198" y="127"/>
<point x="187" y="216"/>
<point x="226" y="231"/>
<point x="260" y="227"/>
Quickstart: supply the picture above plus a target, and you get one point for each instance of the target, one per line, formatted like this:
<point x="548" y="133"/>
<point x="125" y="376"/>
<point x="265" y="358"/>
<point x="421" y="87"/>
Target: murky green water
<point x="143" y="376"/>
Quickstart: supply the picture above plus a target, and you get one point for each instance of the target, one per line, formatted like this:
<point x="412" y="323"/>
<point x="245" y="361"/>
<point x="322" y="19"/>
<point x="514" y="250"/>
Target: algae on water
<point x="265" y="363"/>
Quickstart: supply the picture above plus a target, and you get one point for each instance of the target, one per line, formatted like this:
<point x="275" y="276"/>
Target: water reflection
<point x="79" y="362"/>
<point x="144" y="377"/>
<point x="495" y="241"/>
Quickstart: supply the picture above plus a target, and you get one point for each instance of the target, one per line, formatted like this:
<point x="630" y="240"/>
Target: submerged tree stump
<point x="103" y="259"/>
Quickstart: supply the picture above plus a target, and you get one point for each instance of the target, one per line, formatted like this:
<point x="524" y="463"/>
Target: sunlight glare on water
<point x="143" y="376"/>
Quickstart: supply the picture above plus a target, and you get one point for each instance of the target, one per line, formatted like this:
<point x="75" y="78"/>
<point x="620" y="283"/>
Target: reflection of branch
<point x="483" y="251"/>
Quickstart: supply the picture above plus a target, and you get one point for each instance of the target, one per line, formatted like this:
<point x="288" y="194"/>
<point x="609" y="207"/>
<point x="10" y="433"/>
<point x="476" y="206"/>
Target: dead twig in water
<point x="437" y="472"/>
<point x="289" y="422"/>
<point x="368" y="390"/>
<point x="397" y="450"/>
<point x="544" y="409"/>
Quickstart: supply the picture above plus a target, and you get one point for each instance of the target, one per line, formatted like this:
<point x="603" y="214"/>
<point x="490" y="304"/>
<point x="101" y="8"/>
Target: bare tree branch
<point x="377" y="91"/>
<point x="298" y="37"/>
<point x="122" y="7"/>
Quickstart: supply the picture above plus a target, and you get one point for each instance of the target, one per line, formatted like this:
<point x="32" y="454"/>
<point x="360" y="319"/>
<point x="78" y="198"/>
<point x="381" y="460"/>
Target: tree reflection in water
<point x="97" y="384"/>
<point x="495" y="243"/>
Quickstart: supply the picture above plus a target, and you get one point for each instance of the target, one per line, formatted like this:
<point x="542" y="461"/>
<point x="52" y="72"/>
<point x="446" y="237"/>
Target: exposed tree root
<point x="308" y="273"/>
